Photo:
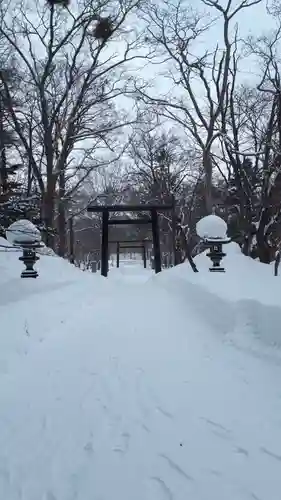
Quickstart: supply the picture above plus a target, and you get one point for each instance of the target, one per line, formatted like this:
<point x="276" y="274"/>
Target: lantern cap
<point x="23" y="232"/>
<point x="212" y="228"/>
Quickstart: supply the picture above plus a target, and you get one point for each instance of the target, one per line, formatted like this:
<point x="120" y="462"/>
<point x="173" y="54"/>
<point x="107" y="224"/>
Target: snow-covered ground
<point x="140" y="387"/>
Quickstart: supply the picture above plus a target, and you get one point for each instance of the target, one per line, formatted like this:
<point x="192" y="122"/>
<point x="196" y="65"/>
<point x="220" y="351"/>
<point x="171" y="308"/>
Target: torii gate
<point x="105" y="210"/>
<point x="131" y="244"/>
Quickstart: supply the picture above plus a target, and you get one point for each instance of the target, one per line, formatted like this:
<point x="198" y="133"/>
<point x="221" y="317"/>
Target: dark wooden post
<point x="144" y="254"/>
<point x="156" y="240"/>
<point x="104" y="243"/>
<point x="118" y="254"/>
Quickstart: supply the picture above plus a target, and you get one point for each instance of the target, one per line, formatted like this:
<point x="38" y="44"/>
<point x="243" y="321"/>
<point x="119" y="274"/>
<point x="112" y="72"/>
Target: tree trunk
<point x="247" y="245"/>
<point x="277" y="262"/>
<point x="264" y="250"/>
<point x="48" y="212"/>
<point x="3" y="160"/>
<point x="208" y="194"/>
<point x="30" y="172"/>
<point x="62" y="243"/>
<point x="264" y="253"/>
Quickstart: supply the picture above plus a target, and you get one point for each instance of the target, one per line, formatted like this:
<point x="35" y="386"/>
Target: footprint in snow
<point x="166" y="492"/>
<point x="216" y="424"/>
<point x="145" y="428"/>
<point x="164" y="412"/>
<point x="124" y="445"/>
<point x="242" y="451"/>
<point x="221" y="434"/>
<point x="254" y="497"/>
<point x="215" y="472"/>
<point x="270" y="453"/>
<point x="173" y="465"/>
<point x="89" y="448"/>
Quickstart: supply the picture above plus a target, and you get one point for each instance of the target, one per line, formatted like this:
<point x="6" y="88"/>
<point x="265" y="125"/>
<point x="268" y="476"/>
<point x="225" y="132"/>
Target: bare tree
<point x="103" y="186"/>
<point x="161" y="171"/>
<point x="251" y="144"/>
<point x="160" y="165"/>
<point x="201" y="81"/>
<point x="71" y="65"/>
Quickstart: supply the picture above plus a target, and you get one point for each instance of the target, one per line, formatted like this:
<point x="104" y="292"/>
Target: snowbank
<point x="244" y="303"/>
<point x="32" y="308"/>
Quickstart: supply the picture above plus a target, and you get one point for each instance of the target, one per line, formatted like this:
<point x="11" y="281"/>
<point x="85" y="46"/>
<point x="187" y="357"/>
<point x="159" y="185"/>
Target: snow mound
<point x="31" y="308"/>
<point x="243" y="304"/>
<point x="5" y="244"/>
<point x="43" y="250"/>
<point x="211" y="227"/>
<point x="23" y="231"/>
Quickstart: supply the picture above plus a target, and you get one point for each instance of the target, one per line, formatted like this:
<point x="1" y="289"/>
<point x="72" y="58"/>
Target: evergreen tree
<point x="14" y="204"/>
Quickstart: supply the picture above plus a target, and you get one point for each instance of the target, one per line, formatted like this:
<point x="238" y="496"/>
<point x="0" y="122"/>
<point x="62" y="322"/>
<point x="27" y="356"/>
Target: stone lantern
<point x="25" y="235"/>
<point x="213" y="231"/>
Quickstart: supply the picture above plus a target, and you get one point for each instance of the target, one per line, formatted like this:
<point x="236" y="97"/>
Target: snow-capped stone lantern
<point x="213" y="231"/>
<point x="24" y="234"/>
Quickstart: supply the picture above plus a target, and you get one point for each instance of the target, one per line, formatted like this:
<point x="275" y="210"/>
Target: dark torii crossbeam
<point x="105" y="210"/>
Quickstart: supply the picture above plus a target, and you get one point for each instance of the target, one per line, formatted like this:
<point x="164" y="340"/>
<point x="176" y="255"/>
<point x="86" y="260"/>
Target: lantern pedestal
<point x="29" y="258"/>
<point x="216" y="255"/>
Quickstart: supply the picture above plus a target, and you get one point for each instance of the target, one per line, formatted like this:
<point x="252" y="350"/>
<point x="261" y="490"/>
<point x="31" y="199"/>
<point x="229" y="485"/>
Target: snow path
<point x="137" y="400"/>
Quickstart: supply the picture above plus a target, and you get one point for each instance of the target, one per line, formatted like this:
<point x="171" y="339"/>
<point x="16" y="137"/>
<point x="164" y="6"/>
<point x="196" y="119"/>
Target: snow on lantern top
<point x="23" y="231"/>
<point x="212" y="227"/>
